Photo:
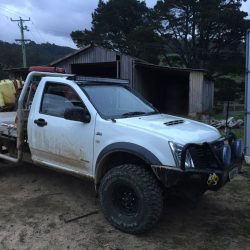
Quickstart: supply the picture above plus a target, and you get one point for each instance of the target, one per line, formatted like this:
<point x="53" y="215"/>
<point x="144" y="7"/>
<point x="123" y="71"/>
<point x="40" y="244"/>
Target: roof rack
<point x="97" y="79"/>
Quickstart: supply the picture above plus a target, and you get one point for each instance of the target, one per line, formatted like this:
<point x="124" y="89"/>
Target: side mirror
<point x="77" y="114"/>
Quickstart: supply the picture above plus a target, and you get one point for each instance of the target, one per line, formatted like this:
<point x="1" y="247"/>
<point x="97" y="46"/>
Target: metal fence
<point x="234" y="109"/>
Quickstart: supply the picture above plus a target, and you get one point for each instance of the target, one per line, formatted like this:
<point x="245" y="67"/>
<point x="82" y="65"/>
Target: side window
<point x="57" y="98"/>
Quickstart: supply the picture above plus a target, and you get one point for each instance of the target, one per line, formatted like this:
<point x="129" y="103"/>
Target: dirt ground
<point x="36" y="202"/>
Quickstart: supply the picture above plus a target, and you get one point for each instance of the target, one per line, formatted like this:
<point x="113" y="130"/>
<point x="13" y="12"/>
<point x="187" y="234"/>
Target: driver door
<point x="55" y="141"/>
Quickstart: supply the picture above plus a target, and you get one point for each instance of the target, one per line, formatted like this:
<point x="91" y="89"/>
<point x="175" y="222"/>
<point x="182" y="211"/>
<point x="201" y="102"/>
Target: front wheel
<point x="131" y="198"/>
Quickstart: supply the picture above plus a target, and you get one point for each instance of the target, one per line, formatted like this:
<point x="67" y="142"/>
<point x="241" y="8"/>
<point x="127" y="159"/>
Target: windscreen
<point x="117" y="101"/>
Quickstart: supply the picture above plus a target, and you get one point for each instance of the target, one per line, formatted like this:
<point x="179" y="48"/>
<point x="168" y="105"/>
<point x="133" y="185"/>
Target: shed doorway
<point x="106" y="70"/>
<point x="167" y="90"/>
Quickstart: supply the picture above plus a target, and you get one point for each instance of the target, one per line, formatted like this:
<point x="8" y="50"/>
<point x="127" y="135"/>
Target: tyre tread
<point x="153" y="195"/>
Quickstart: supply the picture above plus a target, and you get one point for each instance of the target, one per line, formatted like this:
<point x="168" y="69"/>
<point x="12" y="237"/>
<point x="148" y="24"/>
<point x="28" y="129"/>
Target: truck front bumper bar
<point x="212" y="179"/>
<point x="212" y="166"/>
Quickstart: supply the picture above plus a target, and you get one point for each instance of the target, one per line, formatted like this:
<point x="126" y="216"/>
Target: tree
<point x="125" y="26"/>
<point x="227" y="90"/>
<point x="204" y="33"/>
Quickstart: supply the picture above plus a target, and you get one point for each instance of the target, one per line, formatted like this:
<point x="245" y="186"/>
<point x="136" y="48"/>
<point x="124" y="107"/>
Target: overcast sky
<point x="51" y="20"/>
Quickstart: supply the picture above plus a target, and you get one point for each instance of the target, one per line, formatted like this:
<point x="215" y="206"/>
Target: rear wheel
<point x="131" y="198"/>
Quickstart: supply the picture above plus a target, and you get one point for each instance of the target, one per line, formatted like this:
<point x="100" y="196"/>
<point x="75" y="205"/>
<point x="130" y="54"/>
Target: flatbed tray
<point x="7" y="124"/>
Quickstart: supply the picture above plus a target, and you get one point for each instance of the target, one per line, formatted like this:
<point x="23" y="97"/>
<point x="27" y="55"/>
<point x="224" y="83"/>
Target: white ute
<point x="101" y="129"/>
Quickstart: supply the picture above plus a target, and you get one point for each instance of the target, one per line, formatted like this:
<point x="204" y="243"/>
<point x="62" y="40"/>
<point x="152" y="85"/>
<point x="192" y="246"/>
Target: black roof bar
<point x="97" y="79"/>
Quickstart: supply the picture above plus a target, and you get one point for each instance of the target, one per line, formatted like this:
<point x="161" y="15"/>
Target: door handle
<point x="40" y="122"/>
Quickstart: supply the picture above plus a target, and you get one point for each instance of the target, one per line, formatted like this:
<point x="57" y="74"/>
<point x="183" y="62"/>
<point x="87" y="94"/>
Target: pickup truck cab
<point x="101" y="129"/>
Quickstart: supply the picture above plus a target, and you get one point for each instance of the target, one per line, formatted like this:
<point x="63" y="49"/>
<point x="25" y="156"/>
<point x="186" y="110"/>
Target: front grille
<point x="203" y="157"/>
<point x="174" y="122"/>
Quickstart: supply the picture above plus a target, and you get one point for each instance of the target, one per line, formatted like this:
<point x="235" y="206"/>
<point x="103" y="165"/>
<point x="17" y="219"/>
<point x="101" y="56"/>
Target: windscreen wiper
<point x="153" y="113"/>
<point x="133" y="113"/>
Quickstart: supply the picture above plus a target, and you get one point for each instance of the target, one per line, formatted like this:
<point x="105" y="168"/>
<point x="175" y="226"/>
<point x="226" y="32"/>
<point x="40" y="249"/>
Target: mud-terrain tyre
<point x="131" y="198"/>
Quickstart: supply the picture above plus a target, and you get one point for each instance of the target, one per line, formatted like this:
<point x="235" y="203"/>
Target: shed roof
<point x="138" y="62"/>
<point x="166" y="68"/>
<point x="82" y="50"/>
<point x="71" y="55"/>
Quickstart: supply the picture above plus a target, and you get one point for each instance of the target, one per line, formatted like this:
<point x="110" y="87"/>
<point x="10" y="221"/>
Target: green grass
<point x="239" y="133"/>
<point x="219" y="116"/>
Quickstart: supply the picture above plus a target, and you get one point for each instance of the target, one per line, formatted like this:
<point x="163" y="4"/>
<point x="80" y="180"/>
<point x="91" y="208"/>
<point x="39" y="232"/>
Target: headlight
<point x="176" y="151"/>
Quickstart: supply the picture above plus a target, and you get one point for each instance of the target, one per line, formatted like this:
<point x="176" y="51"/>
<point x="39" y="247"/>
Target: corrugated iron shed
<point x="172" y="90"/>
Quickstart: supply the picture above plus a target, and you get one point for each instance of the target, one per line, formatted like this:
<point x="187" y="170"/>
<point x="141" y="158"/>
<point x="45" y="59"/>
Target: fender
<point x="127" y="147"/>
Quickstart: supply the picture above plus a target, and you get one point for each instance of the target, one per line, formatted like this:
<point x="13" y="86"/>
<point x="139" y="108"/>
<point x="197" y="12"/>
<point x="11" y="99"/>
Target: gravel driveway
<point x="36" y="206"/>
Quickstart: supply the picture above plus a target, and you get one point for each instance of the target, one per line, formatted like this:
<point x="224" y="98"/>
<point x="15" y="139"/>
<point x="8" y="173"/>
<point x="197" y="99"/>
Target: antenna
<point x="227" y="115"/>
